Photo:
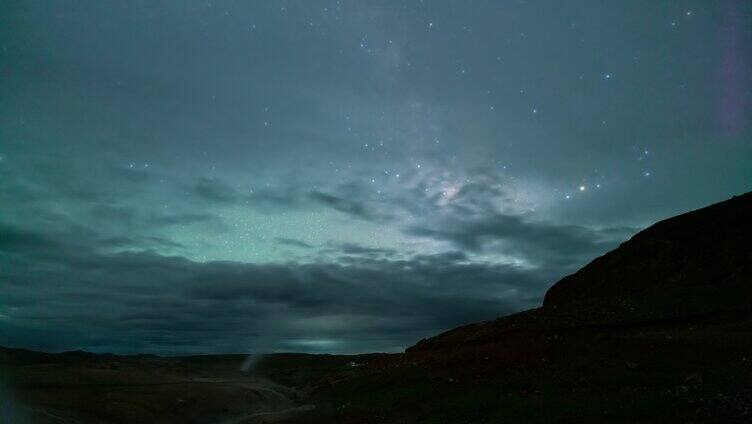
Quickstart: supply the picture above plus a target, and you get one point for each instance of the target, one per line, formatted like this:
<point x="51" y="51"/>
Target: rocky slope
<point x="693" y="266"/>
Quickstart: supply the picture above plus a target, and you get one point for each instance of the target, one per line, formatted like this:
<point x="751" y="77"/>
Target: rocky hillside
<point x="694" y="266"/>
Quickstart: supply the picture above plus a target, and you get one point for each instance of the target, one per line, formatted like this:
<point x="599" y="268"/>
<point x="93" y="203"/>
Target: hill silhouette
<point x="697" y="265"/>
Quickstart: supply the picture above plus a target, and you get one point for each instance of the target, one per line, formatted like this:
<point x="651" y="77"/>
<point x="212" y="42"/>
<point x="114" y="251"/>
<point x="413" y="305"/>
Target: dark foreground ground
<point x="79" y="387"/>
<point x="656" y="331"/>
<point x="698" y="372"/>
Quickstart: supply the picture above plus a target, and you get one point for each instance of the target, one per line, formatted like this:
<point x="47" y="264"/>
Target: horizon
<point x="340" y="178"/>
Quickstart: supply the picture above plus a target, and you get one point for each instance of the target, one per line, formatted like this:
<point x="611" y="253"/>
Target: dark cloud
<point x="140" y="243"/>
<point x="114" y="213"/>
<point x="186" y="219"/>
<point x="349" y="199"/>
<point x="270" y="200"/>
<point x="357" y="249"/>
<point x="293" y="242"/>
<point x="216" y="191"/>
<point x="154" y="300"/>
<point x="350" y="206"/>
<point x="513" y="234"/>
<point x="17" y="238"/>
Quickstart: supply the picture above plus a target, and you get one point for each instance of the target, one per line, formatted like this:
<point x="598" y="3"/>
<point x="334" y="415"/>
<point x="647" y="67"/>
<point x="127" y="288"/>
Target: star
<point x="582" y="188"/>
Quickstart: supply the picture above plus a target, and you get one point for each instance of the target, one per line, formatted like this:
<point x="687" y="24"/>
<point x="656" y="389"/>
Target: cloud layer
<point x="59" y="295"/>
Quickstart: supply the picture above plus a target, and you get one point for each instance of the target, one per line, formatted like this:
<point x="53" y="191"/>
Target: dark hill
<point x="694" y="266"/>
<point x="693" y="263"/>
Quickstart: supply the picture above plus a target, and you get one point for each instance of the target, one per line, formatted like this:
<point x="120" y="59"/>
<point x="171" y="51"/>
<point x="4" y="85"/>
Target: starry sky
<point x="343" y="176"/>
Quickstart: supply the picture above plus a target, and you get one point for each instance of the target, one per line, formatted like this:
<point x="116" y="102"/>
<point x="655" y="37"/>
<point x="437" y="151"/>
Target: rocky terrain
<point x="658" y="330"/>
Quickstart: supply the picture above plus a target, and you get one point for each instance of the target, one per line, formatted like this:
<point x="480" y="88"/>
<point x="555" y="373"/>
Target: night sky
<point x="343" y="176"/>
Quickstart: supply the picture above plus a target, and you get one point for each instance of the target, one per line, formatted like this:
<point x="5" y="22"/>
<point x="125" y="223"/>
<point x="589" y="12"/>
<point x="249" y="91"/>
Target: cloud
<point x="357" y="249"/>
<point x="143" y="301"/>
<point x="113" y="213"/>
<point x="105" y="279"/>
<point x="349" y="206"/>
<point x="481" y="214"/>
<point x="215" y="191"/>
<point x="540" y="242"/>
<point x="267" y="199"/>
<point x="140" y="243"/>
<point x="349" y="199"/>
<point x="19" y="238"/>
<point x="185" y="219"/>
<point x="293" y="242"/>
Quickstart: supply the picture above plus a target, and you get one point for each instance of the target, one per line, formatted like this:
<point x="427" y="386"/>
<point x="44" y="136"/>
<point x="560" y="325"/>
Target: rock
<point x="693" y="379"/>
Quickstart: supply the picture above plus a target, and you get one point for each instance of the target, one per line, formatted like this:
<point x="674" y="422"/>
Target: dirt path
<point x="269" y="416"/>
